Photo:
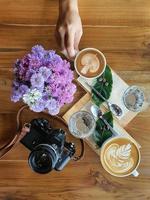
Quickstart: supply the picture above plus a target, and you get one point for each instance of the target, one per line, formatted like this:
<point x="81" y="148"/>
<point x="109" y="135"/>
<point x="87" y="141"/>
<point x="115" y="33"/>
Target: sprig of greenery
<point x="103" y="85"/>
<point x="102" y="132"/>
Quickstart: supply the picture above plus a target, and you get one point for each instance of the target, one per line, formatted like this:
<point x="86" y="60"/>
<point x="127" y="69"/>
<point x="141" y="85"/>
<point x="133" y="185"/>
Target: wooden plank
<point x="117" y="39"/>
<point x="29" y="12"/>
<point x="118" y="89"/>
<point x="97" y="189"/>
<point x="21" y="183"/>
<point x="24" y="37"/>
<point x="7" y="128"/>
<point x="129" y="50"/>
<point x="20" y="178"/>
<point x="120" y="60"/>
<point x="108" y="13"/>
<point x="85" y="104"/>
<point x="86" y="175"/>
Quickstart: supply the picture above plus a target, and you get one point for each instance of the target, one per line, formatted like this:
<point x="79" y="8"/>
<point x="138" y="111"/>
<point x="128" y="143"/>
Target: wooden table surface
<point x="120" y="29"/>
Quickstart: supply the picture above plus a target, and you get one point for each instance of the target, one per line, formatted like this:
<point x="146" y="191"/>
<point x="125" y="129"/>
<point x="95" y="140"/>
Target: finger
<point x="64" y="52"/>
<point x="57" y="36"/>
<point x="60" y="37"/>
<point x="61" y="32"/>
<point x="77" y="40"/>
<point x="70" y="43"/>
<point x="62" y="41"/>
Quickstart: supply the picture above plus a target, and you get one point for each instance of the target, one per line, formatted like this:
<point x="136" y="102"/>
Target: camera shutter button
<point x="34" y="142"/>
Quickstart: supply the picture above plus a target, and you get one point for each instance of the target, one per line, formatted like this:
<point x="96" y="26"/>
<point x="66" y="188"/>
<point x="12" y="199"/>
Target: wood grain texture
<point x="129" y="50"/>
<point x="121" y="30"/>
<point x="100" y="13"/>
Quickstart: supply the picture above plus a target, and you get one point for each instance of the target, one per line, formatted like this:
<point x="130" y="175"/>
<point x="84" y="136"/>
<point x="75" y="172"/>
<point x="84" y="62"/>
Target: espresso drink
<point x="90" y="63"/>
<point x="120" y="156"/>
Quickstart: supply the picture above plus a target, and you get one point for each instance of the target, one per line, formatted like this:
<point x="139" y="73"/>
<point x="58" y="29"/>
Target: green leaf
<point x="102" y="87"/>
<point x="107" y="134"/>
<point x="102" y="133"/>
<point x="108" y="116"/>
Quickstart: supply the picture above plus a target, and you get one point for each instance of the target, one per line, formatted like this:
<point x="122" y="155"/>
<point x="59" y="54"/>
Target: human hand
<point x="69" y="28"/>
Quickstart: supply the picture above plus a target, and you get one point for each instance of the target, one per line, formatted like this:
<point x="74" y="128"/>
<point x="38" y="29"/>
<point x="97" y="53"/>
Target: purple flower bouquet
<point x="43" y="80"/>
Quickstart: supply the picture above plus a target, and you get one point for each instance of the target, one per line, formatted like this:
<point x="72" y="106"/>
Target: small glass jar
<point x="136" y="98"/>
<point x="82" y="124"/>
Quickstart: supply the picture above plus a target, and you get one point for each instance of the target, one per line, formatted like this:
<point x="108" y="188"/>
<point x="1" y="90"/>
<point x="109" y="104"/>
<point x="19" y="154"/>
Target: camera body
<point x="48" y="146"/>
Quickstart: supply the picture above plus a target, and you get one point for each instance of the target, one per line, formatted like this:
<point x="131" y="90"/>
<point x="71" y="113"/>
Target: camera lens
<point x="43" y="159"/>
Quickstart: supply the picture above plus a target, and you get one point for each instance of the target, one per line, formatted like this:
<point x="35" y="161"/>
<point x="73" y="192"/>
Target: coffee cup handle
<point x="135" y="173"/>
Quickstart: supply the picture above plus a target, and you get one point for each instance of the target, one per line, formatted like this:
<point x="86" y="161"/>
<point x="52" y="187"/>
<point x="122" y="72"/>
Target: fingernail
<point x="76" y="51"/>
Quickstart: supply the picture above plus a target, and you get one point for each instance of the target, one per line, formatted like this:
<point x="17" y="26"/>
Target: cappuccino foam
<point x="90" y="63"/>
<point x="120" y="156"/>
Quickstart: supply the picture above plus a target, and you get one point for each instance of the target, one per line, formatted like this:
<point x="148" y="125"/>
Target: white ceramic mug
<point x="134" y="172"/>
<point x="88" y="49"/>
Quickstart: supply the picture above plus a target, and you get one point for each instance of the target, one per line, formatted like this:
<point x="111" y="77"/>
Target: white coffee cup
<point x="134" y="171"/>
<point x="87" y="50"/>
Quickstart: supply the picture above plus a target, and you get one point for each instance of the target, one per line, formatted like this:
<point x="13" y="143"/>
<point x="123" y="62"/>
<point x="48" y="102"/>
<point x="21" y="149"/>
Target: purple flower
<point x="69" y="99"/>
<point x="37" y="81"/>
<point x="37" y="49"/>
<point x="16" y="95"/>
<point x="29" y="74"/>
<point x="23" y="89"/>
<point x="70" y="89"/>
<point x="18" y="91"/>
<point x="37" y="52"/>
<point x="32" y="97"/>
<point x="16" y="84"/>
<point x="45" y="72"/>
<point x="34" y="61"/>
<point x="51" y="59"/>
<point x="39" y="106"/>
<point x="53" y="107"/>
<point x="43" y="80"/>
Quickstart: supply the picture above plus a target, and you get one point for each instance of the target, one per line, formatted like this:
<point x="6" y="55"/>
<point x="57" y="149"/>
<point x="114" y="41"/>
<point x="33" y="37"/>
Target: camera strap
<point x="20" y="134"/>
<point x="17" y="137"/>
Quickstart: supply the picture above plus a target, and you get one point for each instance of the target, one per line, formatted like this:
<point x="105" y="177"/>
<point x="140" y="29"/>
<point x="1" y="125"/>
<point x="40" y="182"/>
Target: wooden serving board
<point x="118" y="88"/>
<point x="84" y="104"/>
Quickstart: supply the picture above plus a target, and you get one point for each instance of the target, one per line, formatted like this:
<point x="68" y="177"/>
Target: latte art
<point x="89" y="62"/>
<point x="118" y="157"/>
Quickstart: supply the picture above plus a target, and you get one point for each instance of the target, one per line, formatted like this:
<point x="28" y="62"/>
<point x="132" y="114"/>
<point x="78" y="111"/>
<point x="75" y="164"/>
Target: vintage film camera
<point x="48" y="146"/>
